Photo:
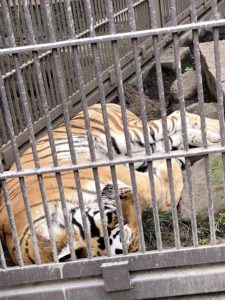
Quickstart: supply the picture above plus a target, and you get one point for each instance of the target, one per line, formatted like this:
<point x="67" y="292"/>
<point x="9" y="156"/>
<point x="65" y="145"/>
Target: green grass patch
<point x="167" y="232"/>
<point x="188" y="69"/>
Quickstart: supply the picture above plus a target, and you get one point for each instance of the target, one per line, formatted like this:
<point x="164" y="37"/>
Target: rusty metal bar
<point x="203" y="123"/>
<point x="145" y="126"/>
<point x="2" y="257"/>
<point x="63" y="96"/>
<point x="152" y="11"/>
<point x="126" y="160"/>
<point x="219" y="89"/>
<point x="87" y="121"/>
<point x="24" y="99"/>
<point x="48" y="124"/>
<point x="126" y="131"/>
<point x="98" y="69"/>
<point x="113" y="37"/>
<point x="184" y="123"/>
<point x="8" y="204"/>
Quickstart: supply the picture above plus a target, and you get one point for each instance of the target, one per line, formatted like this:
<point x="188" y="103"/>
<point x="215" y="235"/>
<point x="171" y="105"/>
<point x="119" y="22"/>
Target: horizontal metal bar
<point x="113" y="37"/>
<point x="124" y="160"/>
<point x="151" y="285"/>
<point x="204" y="281"/>
<point x="152" y="260"/>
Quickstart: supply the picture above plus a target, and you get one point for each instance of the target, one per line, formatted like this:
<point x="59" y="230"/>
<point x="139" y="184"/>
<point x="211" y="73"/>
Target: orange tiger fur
<point x="86" y="176"/>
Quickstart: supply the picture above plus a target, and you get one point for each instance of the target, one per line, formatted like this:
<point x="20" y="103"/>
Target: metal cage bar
<point x="74" y="43"/>
<point x="183" y="122"/>
<point x="202" y="116"/>
<point x="152" y="8"/>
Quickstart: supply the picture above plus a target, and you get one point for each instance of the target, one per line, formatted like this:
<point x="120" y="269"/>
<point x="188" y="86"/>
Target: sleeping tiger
<point x="80" y="142"/>
<point x="94" y="224"/>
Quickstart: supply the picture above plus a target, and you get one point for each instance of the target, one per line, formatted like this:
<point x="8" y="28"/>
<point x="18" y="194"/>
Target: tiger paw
<point x="212" y="137"/>
<point x="134" y="244"/>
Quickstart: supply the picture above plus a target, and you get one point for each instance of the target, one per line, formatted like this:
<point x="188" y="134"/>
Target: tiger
<point x="87" y="182"/>
<point x="94" y="224"/>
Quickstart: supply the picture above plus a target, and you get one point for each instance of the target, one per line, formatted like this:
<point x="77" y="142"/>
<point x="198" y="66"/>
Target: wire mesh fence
<point x="79" y="189"/>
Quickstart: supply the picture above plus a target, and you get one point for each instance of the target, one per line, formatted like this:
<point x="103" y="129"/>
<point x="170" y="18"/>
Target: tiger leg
<point x="129" y="214"/>
<point x="162" y="194"/>
<point x="193" y="122"/>
<point x="161" y="171"/>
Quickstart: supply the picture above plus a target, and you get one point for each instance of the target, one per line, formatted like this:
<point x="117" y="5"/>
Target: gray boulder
<point x="211" y="109"/>
<point x="189" y="86"/>
<point x="200" y="190"/>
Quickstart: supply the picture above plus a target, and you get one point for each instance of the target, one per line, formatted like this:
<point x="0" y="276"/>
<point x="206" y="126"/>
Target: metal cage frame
<point x="38" y="61"/>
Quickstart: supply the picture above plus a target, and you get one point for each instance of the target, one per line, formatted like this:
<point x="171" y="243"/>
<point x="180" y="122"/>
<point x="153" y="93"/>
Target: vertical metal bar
<point x="49" y="72"/>
<point x="219" y="89"/>
<point x="4" y="136"/>
<point x="37" y="9"/>
<point x="153" y="15"/>
<point x="107" y="134"/>
<point x="23" y="95"/>
<point x="12" y="224"/>
<point x="72" y="70"/>
<point x="36" y="89"/>
<point x="6" y="195"/>
<point x="12" y="84"/>
<point x="63" y="19"/>
<point x="145" y="125"/>
<point x="78" y="186"/>
<point x="87" y="123"/>
<point x="58" y="66"/>
<point x="23" y="28"/>
<point x="193" y="12"/>
<point x="98" y="70"/>
<point x="2" y="257"/>
<point x="12" y="105"/>
<point x="184" y="123"/>
<point x="125" y="125"/>
<point x="91" y="145"/>
<point x="32" y="102"/>
<point x="68" y="71"/>
<point x="48" y="84"/>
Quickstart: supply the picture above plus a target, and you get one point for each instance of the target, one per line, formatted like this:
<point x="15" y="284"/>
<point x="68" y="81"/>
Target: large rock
<point x="189" y="87"/>
<point x="200" y="190"/>
<point x="209" y="67"/>
<point x="211" y="109"/>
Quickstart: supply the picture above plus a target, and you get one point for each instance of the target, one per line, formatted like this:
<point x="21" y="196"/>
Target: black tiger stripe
<point x="28" y="255"/>
<point x="59" y="131"/>
<point x="115" y="146"/>
<point x="115" y="234"/>
<point x="74" y="222"/>
<point x="115" y="123"/>
<point x="101" y="243"/>
<point x="138" y="139"/>
<point x="142" y="168"/>
<point x="65" y="258"/>
<point x="94" y="229"/>
<point x="94" y="120"/>
<point x="119" y="251"/>
<point x="110" y="218"/>
<point x="97" y="129"/>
